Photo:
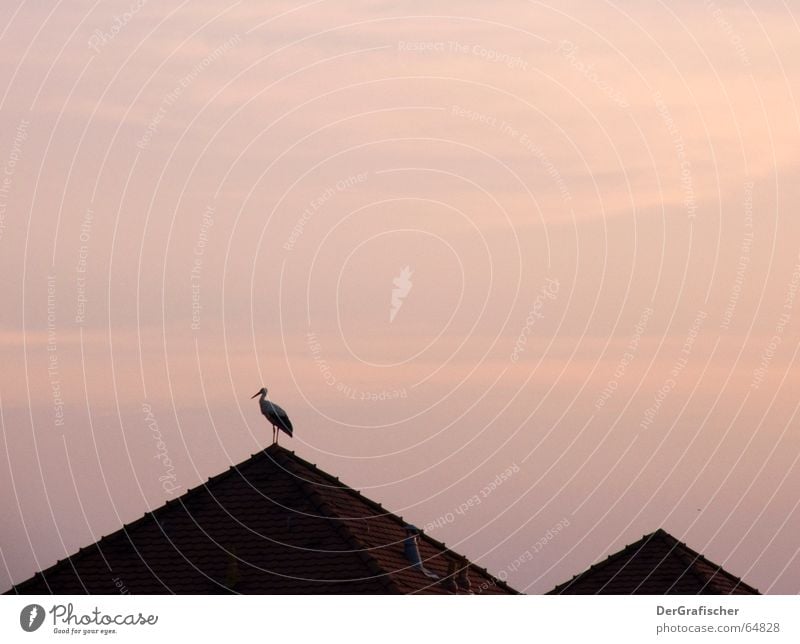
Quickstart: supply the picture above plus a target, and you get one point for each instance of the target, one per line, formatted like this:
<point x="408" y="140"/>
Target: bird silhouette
<point x="277" y="417"/>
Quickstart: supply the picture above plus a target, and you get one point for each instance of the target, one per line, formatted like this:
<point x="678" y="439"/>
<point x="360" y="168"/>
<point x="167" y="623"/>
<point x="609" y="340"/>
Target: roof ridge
<point x="124" y="531"/>
<point x="686" y="555"/>
<point x="689" y="557"/>
<point x="685" y="551"/>
<point x="359" y="549"/>
<point x="605" y="562"/>
<point x="639" y="544"/>
<point x="336" y="482"/>
<point x="677" y="548"/>
<point x="328" y="497"/>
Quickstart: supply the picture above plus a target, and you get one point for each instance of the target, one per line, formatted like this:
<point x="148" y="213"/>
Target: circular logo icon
<point x="31" y="617"/>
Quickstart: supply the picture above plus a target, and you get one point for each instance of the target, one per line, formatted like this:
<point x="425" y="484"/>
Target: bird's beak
<point x="258" y="393"/>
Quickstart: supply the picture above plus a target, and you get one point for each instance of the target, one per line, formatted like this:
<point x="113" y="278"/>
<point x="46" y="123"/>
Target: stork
<point x="274" y="414"/>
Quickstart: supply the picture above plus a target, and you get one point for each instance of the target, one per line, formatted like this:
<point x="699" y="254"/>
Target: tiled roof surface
<point x="657" y="564"/>
<point x="273" y="524"/>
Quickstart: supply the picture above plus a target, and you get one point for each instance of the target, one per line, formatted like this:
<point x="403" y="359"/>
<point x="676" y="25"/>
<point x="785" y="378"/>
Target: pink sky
<point x="616" y="184"/>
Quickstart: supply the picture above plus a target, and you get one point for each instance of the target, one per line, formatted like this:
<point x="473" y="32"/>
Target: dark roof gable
<point x="657" y="564"/>
<point x="272" y="524"/>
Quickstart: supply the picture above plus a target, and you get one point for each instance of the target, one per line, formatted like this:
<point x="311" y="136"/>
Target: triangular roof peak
<point x="274" y="523"/>
<point x="656" y="564"/>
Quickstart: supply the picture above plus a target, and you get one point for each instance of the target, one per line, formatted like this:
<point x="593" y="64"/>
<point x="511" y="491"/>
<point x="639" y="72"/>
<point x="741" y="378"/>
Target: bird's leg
<point x="277" y="433"/>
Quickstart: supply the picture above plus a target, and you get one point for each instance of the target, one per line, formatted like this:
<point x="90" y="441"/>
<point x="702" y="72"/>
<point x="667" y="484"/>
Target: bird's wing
<point x="285" y="424"/>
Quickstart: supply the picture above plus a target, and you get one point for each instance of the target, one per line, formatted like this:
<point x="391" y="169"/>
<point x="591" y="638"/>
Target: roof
<point x="272" y="524"/>
<point x="657" y="564"/>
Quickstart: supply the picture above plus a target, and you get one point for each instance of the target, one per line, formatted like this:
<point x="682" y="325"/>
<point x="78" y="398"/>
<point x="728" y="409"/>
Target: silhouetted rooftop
<point x="272" y="524"/>
<point x="657" y="564"/>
